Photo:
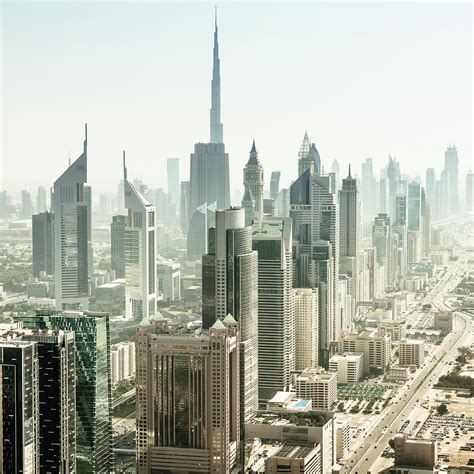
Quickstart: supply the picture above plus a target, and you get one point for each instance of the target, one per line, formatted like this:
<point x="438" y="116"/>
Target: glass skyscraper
<point x="93" y="382"/>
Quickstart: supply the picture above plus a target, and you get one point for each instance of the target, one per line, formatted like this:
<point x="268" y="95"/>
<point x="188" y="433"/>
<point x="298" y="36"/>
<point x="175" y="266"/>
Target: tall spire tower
<point x="215" y="115"/>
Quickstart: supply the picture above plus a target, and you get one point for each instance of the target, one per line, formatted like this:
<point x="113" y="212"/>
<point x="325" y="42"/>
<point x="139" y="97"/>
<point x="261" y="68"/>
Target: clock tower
<point x="253" y="183"/>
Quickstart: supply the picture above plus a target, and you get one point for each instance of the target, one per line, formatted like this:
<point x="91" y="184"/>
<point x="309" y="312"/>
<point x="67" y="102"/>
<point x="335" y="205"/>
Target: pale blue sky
<point x="365" y="79"/>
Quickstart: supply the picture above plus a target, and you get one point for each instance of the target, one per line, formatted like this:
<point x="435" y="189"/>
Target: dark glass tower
<point x="19" y="407"/>
<point x="117" y="241"/>
<point x="43" y="243"/>
<point x="93" y="382"/>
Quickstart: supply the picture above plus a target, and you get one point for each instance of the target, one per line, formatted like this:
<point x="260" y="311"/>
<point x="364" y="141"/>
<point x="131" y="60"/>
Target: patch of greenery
<point x="123" y="386"/>
<point x="442" y="409"/>
<point x="454" y="380"/>
<point x="124" y="410"/>
<point x="305" y="419"/>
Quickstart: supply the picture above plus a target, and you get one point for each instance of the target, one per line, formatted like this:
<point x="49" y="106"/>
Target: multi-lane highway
<point x="393" y="416"/>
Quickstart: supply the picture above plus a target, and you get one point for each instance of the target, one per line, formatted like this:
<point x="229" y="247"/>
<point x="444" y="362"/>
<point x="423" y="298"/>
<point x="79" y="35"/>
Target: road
<point x="123" y="398"/>
<point x="393" y="416"/>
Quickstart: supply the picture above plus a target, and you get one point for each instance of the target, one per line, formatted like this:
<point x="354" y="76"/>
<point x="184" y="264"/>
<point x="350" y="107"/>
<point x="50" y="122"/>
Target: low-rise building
<point x="169" y="280"/>
<point x="348" y="366"/>
<point x="309" y="427"/>
<point x="288" y="402"/>
<point x="373" y="344"/>
<point x="301" y="458"/>
<point x="411" y="352"/>
<point x="414" y="452"/>
<point x="36" y="288"/>
<point x="396" y="329"/>
<point x="413" y="283"/>
<point x="396" y="374"/>
<point x="318" y="386"/>
<point x="443" y="321"/>
<point x="111" y="294"/>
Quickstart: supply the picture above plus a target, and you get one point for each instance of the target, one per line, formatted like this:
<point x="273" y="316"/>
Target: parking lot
<point x="455" y="435"/>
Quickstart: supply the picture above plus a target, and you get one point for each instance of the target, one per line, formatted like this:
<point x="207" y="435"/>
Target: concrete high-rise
<point x="26" y="210"/>
<point x="41" y="200"/>
<point x="451" y="165"/>
<point x="93" y="382"/>
<point x="184" y="207"/>
<point x="430" y="181"/>
<point x="414" y="206"/>
<point x="188" y="398"/>
<point x="335" y="170"/>
<point x="381" y="240"/>
<point x="470" y="191"/>
<point x="253" y="185"/>
<point x="230" y="285"/>
<point x="393" y="178"/>
<point x="140" y="253"/>
<point x="306" y="328"/>
<point x="276" y="306"/>
<point x="72" y="244"/>
<point x="369" y="193"/>
<point x="350" y="233"/>
<point x="43" y="243"/>
<point x="275" y="184"/>
<point x="117" y="245"/>
<point x="315" y="215"/>
<point x="172" y="167"/>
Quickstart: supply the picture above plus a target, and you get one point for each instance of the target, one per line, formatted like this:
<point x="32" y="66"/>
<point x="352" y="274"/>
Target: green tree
<point x="442" y="409"/>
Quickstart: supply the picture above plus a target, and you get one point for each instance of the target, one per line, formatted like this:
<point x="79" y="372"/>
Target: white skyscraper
<point x="140" y="253"/>
<point x="306" y="328"/>
<point x="71" y="236"/>
<point x="276" y="323"/>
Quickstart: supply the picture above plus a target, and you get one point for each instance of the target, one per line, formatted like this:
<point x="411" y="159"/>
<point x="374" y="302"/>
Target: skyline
<point x="248" y="83"/>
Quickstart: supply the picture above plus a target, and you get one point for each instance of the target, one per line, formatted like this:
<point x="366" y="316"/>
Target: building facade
<point x="230" y="285"/>
<point x="72" y="246"/>
<point x="117" y="245"/>
<point x="140" y="253"/>
<point x="43" y="243"/>
<point x="93" y="382"/>
<point x="187" y="398"/>
<point x="276" y="305"/>
<point x="306" y="328"/>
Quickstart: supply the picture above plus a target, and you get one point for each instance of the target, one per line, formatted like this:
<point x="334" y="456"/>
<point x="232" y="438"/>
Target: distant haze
<point x="365" y="80"/>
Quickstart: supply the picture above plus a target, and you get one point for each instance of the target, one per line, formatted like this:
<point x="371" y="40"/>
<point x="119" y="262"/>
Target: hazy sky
<point x="365" y="80"/>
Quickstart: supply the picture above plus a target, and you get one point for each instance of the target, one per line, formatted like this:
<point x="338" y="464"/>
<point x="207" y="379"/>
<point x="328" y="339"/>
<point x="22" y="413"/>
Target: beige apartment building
<point x="396" y="329"/>
<point x="187" y="404"/>
<point x="412" y="352"/>
<point x="348" y="366"/>
<point x="373" y="344"/>
<point x="318" y="386"/>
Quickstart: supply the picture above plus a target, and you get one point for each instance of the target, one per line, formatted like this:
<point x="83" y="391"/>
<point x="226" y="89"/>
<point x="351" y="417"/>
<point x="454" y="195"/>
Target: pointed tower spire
<point x="253" y="150"/>
<point x="349" y="175"/>
<point x="215" y="113"/>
